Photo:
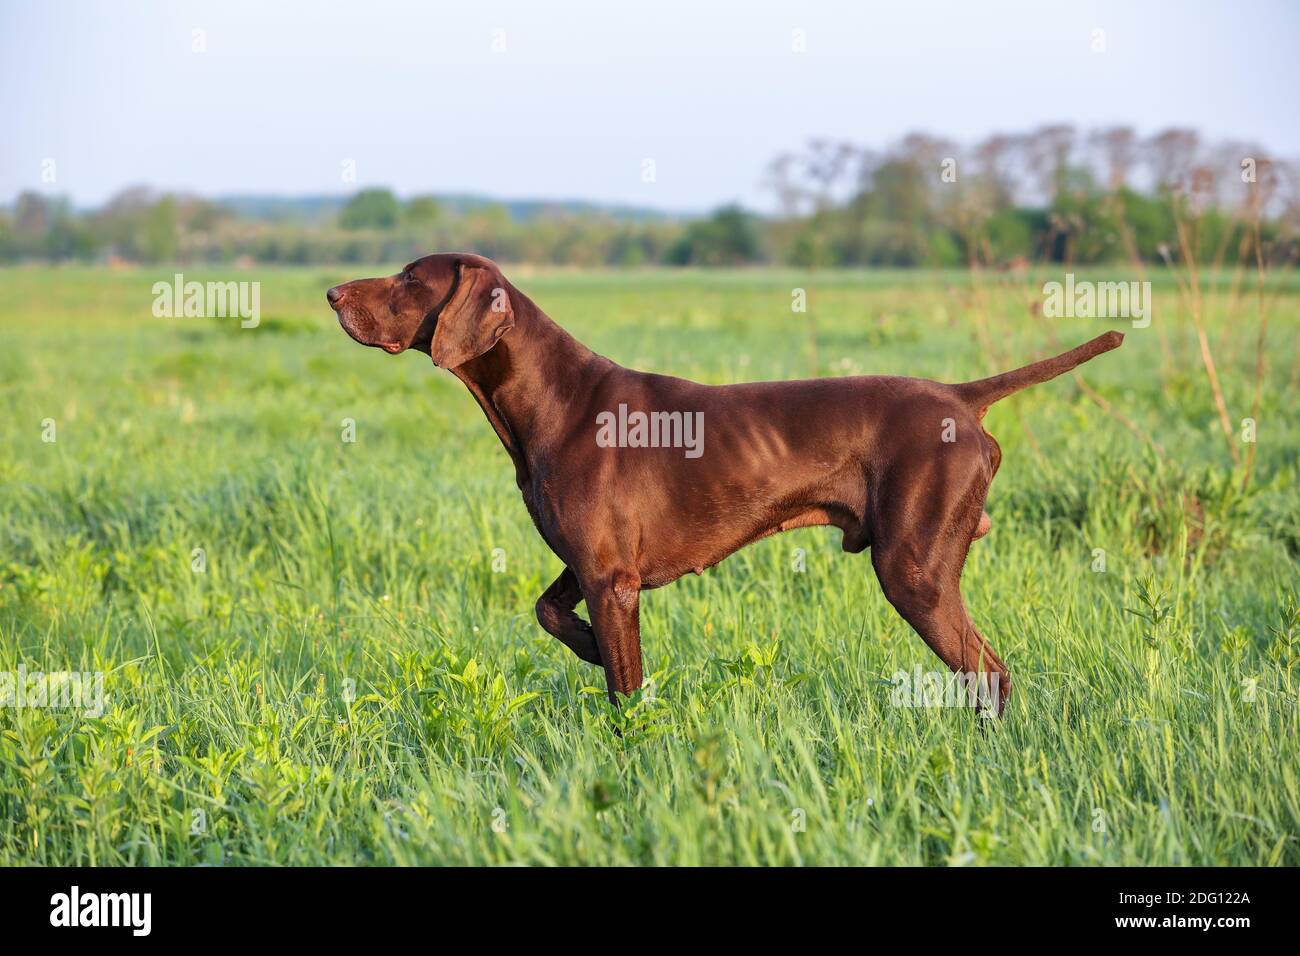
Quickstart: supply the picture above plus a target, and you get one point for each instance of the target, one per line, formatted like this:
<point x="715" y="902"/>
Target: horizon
<point x="341" y="198"/>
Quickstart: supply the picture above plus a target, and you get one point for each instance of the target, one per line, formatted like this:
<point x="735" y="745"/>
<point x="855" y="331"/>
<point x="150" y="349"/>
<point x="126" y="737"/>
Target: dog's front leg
<point x="555" y="614"/>
<point x="614" y="601"/>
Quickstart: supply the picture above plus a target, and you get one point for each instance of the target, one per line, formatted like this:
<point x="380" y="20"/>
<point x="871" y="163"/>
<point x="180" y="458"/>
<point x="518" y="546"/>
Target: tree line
<point x="1054" y="194"/>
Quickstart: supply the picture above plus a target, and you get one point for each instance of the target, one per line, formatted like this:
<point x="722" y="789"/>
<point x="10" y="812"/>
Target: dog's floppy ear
<point x="475" y="317"/>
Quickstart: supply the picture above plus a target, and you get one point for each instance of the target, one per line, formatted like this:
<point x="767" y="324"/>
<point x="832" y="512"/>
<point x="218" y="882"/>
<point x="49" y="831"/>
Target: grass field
<point x="349" y="680"/>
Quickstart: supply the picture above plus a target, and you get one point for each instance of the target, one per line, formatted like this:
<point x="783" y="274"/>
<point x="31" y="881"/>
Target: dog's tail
<point x="980" y="394"/>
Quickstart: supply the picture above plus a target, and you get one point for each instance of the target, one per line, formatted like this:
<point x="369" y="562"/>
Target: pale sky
<point x="583" y="93"/>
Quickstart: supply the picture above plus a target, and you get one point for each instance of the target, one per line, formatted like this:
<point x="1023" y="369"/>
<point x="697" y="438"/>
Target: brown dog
<point x="634" y="479"/>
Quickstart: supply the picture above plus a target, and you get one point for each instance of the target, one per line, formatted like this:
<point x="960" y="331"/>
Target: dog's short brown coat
<point x="900" y="465"/>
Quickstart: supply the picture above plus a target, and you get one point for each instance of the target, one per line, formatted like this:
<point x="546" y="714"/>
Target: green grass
<point x="349" y="681"/>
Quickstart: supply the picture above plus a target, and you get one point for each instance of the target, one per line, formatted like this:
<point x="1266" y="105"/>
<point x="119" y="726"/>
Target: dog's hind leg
<point x="555" y="614"/>
<point x="926" y="591"/>
<point x="919" y="548"/>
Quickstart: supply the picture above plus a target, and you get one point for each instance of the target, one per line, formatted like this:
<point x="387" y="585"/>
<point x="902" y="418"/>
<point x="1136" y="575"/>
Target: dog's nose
<point x="334" y="294"/>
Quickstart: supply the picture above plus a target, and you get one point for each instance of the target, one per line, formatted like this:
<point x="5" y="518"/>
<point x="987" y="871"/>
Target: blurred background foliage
<point x="1055" y="194"/>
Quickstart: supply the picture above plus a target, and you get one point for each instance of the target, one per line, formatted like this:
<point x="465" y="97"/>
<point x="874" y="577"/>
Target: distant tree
<point x="827" y="165"/>
<point x="727" y="238"/>
<point x="1118" y="146"/>
<point x="1151" y="222"/>
<point x="1050" y="195"/>
<point x="371" y="209"/>
<point x="1047" y="155"/>
<point x="780" y="177"/>
<point x="199" y="215"/>
<point x="995" y="158"/>
<point x="1009" y="233"/>
<point x="1171" y="153"/>
<point x="69" y="238"/>
<point x="121" y="224"/>
<point x="31" y="216"/>
<point x="627" y="249"/>
<point x="900" y="192"/>
<point x="489" y="216"/>
<point x="46" y="228"/>
<point x="159" y="233"/>
<point x="943" y="251"/>
<point x="423" y="211"/>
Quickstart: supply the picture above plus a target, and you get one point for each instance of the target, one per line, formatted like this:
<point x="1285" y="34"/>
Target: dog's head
<point x="454" y="307"/>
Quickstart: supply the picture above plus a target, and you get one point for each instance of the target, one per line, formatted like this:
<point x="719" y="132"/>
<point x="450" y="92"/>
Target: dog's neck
<point x="536" y="365"/>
